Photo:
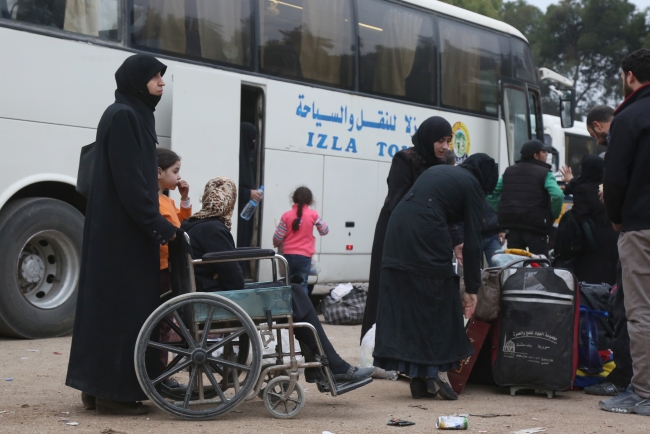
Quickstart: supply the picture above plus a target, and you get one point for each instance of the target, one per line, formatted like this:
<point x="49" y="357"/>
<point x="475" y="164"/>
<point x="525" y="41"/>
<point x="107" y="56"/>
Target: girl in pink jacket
<point x="296" y="233"/>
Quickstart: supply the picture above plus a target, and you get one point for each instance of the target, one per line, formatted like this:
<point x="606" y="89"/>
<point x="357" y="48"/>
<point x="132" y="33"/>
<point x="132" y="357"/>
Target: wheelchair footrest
<point x="342" y="388"/>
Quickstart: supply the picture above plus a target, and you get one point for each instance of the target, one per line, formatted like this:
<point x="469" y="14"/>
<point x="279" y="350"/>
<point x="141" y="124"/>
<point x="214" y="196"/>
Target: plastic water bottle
<point x="251" y="206"/>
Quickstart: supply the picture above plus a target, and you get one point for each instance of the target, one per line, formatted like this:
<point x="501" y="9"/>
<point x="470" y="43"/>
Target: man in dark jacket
<point x="627" y="201"/>
<point x="599" y="119"/>
<point x="528" y="200"/>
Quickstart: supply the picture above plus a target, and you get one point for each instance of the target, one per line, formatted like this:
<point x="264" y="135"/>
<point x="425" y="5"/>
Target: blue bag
<point x="589" y="360"/>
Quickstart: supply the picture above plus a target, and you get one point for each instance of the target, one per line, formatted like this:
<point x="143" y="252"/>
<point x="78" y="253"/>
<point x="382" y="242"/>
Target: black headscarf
<point x="484" y="169"/>
<point x="592" y="169"/>
<point x="429" y="132"/>
<point x="134" y="74"/>
<point x="247" y="137"/>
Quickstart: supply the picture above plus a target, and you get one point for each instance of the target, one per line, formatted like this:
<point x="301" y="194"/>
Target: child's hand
<point x="183" y="189"/>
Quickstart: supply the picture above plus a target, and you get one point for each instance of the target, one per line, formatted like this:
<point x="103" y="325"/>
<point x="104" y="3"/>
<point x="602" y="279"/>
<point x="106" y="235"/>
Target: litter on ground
<point x="530" y="430"/>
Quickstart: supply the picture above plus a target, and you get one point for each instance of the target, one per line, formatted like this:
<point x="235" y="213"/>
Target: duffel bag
<point x="347" y="310"/>
<point x="489" y="294"/>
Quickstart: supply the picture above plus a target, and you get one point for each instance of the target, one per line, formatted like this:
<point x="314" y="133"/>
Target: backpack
<point x="597" y="297"/>
<point x="572" y="238"/>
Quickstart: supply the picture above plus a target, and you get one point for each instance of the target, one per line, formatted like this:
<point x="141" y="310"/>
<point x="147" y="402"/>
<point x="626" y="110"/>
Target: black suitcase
<point x="537" y="344"/>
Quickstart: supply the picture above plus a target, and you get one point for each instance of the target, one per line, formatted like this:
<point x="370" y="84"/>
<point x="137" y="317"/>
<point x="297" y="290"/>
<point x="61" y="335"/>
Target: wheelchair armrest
<point x="239" y="254"/>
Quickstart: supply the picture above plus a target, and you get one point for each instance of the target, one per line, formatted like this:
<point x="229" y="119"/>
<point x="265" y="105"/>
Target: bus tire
<point x="40" y="259"/>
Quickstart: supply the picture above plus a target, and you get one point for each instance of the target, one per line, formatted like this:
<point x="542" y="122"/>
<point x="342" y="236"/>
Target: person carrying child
<point x="296" y="234"/>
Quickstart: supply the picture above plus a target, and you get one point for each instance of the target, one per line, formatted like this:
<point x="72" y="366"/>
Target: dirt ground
<point x="36" y="400"/>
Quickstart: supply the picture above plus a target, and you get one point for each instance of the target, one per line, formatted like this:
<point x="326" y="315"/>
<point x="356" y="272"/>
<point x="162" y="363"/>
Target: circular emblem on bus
<point x="460" y="141"/>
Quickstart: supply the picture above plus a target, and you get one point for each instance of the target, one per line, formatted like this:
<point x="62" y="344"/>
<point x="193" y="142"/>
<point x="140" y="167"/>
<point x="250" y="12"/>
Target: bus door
<point x="521" y="111"/>
<point x="251" y="160"/>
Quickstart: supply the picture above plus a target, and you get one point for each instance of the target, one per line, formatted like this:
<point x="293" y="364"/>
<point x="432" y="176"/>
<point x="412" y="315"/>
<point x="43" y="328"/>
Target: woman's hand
<point x="256" y="196"/>
<point x="567" y="173"/>
<point x="469" y="304"/>
<point x="183" y="189"/>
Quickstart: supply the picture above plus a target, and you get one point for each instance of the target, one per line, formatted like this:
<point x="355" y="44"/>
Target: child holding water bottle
<point x="296" y="233"/>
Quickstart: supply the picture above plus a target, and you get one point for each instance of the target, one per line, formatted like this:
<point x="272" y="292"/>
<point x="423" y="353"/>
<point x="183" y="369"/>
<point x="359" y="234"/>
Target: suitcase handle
<point x="526" y="261"/>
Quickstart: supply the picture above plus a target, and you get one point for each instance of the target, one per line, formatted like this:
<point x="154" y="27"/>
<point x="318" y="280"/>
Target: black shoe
<point x="441" y="385"/>
<point x="419" y="389"/>
<point x="170" y="388"/>
<point x="119" y="407"/>
<point x="354" y="375"/>
<point x="604" y="389"/>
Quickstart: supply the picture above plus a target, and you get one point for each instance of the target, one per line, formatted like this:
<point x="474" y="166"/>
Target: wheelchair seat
<point x="255" y="302"/>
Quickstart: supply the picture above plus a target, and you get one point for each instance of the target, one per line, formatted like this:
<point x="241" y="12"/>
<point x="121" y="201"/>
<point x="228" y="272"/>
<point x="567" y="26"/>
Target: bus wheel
<point x="40" y="258"/>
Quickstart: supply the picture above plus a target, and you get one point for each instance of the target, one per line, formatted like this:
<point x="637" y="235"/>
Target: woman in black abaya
<point x="599" y="265"/>
<point x="247" y="180"/>
<point x="119" y="283"/>
<point x="429" y="145"/>
<point x="247" y="186"/>
<point x="420" y="330"/>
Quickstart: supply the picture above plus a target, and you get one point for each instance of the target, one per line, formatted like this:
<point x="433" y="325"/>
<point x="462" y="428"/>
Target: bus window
<point x="311" y="40"/>
<point x="398" y="51"/>
<point x="577" y="147"/>
<point x="210" y="30"/>
<point x="523" y="61"/>
<point x="515" y="113"/>
<point x="535" y="114"/>
<point x="471" y="62"/>
<point x="88" y="17"/>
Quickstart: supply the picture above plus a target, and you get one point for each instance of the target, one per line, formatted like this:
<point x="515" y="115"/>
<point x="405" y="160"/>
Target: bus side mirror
<point x="567" y="107"/>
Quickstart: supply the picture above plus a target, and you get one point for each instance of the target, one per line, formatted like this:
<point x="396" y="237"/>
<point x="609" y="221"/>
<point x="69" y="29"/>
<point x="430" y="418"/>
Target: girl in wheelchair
<point x="209" y="231"/>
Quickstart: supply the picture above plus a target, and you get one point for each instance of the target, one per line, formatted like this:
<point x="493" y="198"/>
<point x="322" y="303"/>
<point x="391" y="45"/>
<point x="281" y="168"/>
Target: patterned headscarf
<point x="218" y="200"/>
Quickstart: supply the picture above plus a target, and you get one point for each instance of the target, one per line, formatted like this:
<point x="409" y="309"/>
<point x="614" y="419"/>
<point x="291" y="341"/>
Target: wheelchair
<point x="217" y="340"/>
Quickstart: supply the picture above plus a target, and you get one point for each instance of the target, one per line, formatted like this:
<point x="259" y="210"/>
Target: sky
<point x="543" y="4"/>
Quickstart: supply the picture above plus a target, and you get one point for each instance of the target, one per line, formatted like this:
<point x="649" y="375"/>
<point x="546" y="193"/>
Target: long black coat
<point x="600" y="265"/>
<point x="406" y="168"/>
<point x="419" y="319"/>
<point x="119" y="284"/>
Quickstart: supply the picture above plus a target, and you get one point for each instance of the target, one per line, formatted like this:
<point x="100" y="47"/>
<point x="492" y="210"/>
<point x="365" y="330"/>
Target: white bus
<point x="569" y="144"/>
<point x="336" y="88"/>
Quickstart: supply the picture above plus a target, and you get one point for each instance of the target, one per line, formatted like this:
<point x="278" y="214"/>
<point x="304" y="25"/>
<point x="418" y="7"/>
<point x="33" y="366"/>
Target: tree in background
<point x="584" y="40"/>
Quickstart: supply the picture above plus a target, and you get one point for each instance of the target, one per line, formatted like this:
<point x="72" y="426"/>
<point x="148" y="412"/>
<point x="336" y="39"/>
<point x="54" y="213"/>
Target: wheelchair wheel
<point x="277" y="405"/>
<point x="219" y="372"/>
<point x="268" y="377"/>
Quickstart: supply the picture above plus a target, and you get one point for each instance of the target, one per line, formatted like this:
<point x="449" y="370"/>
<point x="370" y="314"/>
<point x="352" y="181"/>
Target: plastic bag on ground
<point x="341" y="291"/>
<point x="366" y="359"/>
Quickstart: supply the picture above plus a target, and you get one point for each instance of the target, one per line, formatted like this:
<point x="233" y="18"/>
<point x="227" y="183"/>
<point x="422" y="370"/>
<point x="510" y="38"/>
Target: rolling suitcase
<point x="536" y="335"/>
